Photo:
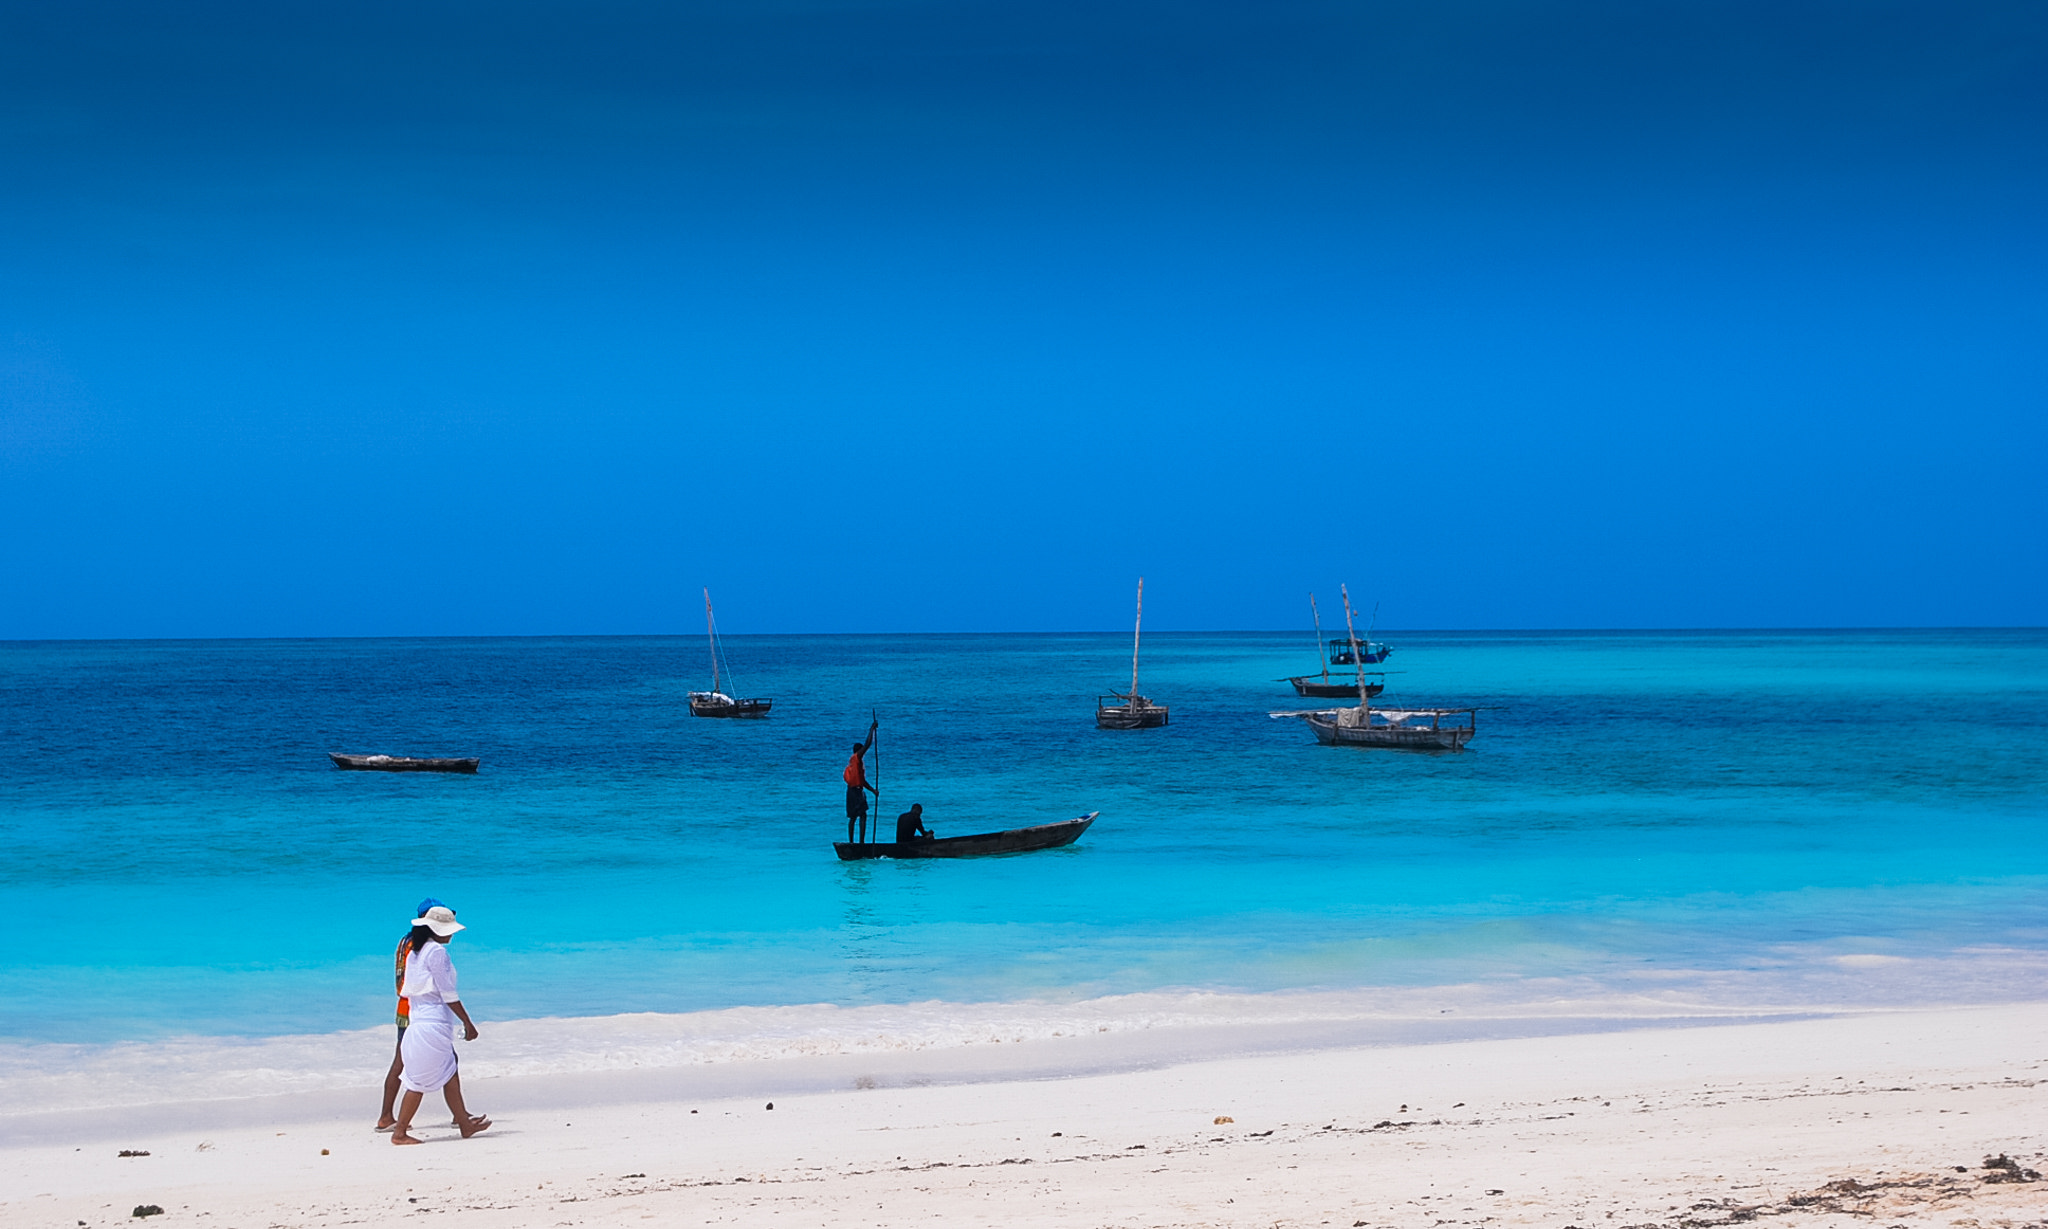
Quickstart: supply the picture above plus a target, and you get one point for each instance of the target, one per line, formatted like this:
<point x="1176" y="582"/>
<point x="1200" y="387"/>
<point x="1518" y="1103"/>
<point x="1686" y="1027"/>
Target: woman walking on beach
<point x="388" y="1117"/>
<point x="428" y="1044"/>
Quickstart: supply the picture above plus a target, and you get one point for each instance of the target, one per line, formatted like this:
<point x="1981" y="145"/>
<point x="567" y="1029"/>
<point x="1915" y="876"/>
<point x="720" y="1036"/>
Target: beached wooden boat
<point x="400" y="763"/>
<point x="1132" y="711"/>
<point x="715" y="703"/>
<point x="981" y="844"/>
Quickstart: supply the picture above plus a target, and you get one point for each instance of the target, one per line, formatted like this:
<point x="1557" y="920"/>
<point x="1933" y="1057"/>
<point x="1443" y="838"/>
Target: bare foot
<point x="400" y="1137"/>
<point x="385" y="1124"/>
<point x="476" y="1125"/>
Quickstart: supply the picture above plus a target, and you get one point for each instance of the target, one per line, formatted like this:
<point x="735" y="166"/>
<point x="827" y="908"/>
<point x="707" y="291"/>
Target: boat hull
<point x="1309" y="685"/>
<point x="980" y="845"/>
<point x="400" y="763"/>
<point x="1412" y="738"/>
<point x="1128" y="717"/>
<point x="720" y="705"/>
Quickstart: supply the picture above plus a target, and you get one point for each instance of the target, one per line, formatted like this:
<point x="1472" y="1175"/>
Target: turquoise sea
<point x="1744" y="820"/>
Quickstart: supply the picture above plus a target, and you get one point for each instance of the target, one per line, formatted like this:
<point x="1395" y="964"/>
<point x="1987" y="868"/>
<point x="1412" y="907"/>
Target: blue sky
<point x="481" y="318"/>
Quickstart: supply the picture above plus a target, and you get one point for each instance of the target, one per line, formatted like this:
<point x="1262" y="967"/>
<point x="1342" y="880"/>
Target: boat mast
<point x="713" y="638"/>
<point x="1135" y="629"/>
<point x="1320" y="655"/>
<point x="1364" y="704"/>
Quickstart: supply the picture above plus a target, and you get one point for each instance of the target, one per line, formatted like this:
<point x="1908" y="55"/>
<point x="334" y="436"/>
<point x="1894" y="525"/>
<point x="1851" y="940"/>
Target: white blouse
<point x="430" y="976"/>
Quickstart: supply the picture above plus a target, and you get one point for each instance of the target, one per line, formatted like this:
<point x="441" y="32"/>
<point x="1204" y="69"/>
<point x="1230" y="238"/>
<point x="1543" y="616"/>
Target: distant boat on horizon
<point x="715" y="703"/>
<point x="1135" y="712"/>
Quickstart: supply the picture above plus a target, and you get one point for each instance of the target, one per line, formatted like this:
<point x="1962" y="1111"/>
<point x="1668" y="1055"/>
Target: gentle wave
<point x="51" y="1076"/>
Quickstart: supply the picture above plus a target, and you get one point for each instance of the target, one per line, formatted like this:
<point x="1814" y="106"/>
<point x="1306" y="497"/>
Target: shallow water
<point x="1796" y="820"/>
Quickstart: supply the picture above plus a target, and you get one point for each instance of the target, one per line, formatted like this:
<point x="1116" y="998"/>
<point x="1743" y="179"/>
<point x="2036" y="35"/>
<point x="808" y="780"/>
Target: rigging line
<point x="718" y="644"/>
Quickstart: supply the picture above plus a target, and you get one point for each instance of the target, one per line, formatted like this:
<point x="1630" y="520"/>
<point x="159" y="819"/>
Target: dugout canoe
<point x="981" y="844"/>
<point x="400" y="763"/>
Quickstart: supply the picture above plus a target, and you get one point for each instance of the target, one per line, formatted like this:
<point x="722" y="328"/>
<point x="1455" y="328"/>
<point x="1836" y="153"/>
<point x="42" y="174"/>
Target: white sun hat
<point x="441" y="920"/>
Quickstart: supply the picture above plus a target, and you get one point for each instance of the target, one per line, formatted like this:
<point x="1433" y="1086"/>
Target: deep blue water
<point x="177" y="855"/>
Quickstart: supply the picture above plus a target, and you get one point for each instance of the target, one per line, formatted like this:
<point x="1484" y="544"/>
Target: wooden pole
<point x="712" y="637"/>
<point x="1321" y="656"/>
<point x="1358" y="658"/>
<point x="1135" y="629"/>
<point x="877" y="730"/>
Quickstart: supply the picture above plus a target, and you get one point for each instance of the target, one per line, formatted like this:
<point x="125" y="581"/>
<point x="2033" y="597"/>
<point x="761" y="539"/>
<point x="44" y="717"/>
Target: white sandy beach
<point x="1879" y="1119"/>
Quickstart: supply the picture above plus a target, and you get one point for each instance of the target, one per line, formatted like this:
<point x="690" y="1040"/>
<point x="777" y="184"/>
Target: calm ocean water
<point x="1760" y="819"/>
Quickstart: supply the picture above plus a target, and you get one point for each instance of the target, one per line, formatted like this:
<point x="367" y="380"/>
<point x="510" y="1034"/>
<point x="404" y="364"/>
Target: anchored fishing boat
<point x="400" y="763"/>
<point x="1133" y="711"/>
<point x="1323" y="688"/>
<point x="715" y="703"/>
<point x="981" y="844"/>
<point x="1366" y="726"/>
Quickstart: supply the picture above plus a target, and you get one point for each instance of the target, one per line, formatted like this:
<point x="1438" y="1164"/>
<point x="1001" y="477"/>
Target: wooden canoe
<point x="400" y="763"/>
<point x="981" y="844"/>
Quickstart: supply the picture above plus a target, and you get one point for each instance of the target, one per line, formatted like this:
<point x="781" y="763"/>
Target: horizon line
<point x="1377" y="634"/>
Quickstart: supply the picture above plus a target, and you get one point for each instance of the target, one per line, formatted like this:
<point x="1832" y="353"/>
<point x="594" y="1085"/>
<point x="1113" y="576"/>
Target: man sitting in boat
<point x="857" y="787"/>
<point x="910" y="825"/>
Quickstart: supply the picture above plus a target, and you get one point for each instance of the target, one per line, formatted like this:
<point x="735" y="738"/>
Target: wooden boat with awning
<point x="979" y="845"/>
<point x="1366" y="726"/>
<point x="1132" y="711"/>
<point x="1353" y="652"/>
<point x="400" y="763"/>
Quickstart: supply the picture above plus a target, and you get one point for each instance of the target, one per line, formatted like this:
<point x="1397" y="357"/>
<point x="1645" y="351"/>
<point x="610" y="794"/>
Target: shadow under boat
<point x="981" y="844"/>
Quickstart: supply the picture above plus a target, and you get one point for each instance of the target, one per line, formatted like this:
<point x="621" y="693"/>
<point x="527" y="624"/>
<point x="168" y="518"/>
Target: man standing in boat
<point x="858" y="789"/>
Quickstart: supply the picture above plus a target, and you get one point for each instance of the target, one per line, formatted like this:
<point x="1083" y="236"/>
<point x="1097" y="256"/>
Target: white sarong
<point x="428" y="1045"/>
<point x="428" y="1048"/>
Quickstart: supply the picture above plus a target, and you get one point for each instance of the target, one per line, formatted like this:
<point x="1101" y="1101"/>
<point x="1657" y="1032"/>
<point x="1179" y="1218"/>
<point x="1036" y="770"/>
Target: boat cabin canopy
<point x="1341" y="654"/>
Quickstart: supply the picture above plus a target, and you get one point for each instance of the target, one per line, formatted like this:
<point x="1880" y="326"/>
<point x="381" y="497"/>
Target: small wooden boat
<point x="981" y="844"/>
<point x="1356" y="727"/>
<point x="400" y="763"/>
<point x="718" y="704"/>
<point x="1133" y="711"/>
<point x="1366" y="726"/>
<point x="715" y="703"/>
<point x="1322" y="689"/>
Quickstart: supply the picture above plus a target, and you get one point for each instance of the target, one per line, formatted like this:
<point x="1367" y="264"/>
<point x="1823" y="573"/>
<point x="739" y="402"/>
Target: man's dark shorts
<point x="856" y="802"/>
